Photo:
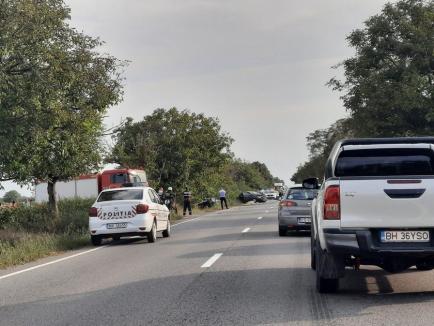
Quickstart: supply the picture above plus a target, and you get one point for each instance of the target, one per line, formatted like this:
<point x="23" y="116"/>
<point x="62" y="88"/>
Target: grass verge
<point x="20" y="247"/>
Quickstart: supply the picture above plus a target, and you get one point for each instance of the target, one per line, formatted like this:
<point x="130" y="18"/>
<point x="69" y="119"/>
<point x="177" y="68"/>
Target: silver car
<point x="295" y="210"/>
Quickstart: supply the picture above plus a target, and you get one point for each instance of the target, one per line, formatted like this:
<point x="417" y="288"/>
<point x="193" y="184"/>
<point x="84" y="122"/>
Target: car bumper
<point x="293" y="223"/>
<point x="367" y="243"/>
<point x="138" y="225"/>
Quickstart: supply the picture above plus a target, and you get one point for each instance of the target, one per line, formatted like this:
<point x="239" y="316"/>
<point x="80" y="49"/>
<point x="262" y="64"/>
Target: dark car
<point x="247" y="196"/>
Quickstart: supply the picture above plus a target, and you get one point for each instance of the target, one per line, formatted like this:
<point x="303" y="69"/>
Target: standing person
<point x="222" y="195"/>
<point x="187" y="201"/>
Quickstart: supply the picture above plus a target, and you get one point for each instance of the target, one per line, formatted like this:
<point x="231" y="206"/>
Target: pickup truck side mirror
<point x="311" y="183"/>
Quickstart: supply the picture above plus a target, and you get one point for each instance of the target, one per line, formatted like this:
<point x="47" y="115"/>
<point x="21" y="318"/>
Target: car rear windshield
<point x="385" y="162"/>
<point x="301" y="194"/>
<point x="128" y="194"/>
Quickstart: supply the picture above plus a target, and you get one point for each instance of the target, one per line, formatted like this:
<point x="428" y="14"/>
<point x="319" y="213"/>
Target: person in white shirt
<point x="222" y="195"/>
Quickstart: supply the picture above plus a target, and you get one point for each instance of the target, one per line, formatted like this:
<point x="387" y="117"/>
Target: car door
<point x="160" y="211"/>
<point x="154" y="207"/>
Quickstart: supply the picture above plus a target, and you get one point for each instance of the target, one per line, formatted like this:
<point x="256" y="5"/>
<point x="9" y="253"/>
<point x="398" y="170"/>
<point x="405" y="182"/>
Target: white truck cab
<point x="375" y="207"/>
<point x="128" y="211"/>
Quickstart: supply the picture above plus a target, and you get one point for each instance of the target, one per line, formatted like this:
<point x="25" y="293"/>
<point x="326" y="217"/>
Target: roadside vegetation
<point x="179" y="149"/>
<point x="388" y="85"/>
<point x="28" y="233"/>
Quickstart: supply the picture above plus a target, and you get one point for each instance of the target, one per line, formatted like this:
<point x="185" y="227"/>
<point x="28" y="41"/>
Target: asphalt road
<point x="225" y="268"/>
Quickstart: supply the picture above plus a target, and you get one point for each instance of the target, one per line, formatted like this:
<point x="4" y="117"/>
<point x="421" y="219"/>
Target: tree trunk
<point x="52" y="199"/>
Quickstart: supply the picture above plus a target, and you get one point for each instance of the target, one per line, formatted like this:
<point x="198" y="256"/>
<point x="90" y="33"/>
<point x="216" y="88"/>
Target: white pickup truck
<point x="375" y="207"/>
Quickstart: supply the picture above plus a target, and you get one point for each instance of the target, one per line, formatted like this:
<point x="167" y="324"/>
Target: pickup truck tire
<point x="96" y="240"/>
<point x="282" y="232"/>
<point x="322" y="262"/>
<point x="152" y="235"/>
<point x="166" y="233"/>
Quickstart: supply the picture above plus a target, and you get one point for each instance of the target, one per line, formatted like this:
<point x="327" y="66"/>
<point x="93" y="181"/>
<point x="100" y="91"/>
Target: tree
<point x="11" y="196"/>
<point x="320" y="143"/>
<point x="55" y="89"/>
<point x="389" y="83"/>
<point x="176" y="148"/>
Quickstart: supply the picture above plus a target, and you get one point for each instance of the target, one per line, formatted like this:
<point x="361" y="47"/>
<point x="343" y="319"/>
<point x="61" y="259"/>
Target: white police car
<point x="131" y="211"/>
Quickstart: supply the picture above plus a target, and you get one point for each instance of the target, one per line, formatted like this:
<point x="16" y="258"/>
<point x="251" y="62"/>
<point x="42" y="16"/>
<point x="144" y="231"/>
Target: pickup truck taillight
<point x="93" y="212"/>
<point x="287" y="203"/>
<point x="332" y="203"/>
<point x="142" y="209"/>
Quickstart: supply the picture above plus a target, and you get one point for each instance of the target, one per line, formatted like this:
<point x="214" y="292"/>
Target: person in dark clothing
<point x="187" y="201"/>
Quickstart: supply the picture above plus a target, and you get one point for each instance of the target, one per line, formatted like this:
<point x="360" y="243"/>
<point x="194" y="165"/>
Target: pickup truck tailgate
<point x="372" y="203"/>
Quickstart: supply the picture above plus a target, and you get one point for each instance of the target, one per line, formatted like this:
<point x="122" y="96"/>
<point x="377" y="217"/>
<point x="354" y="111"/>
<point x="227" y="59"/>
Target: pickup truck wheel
<point x="152" y="235"/>
<point x="323" y="285"/>
<point x="96" y="240"/>
<point x="166" y="233"/>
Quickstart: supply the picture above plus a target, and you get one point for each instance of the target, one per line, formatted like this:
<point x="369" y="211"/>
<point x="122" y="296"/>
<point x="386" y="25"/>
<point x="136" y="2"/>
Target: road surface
<point x="224" y="268"/>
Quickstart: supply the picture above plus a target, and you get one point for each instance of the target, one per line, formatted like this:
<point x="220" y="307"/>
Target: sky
<point x="260" y="66"/>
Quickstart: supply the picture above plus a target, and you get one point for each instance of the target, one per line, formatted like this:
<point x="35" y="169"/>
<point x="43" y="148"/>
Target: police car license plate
<point x="404" y="236"/>
<point x="117" y="225"/>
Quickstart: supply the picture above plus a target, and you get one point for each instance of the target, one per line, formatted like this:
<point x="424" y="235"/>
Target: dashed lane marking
<point x="211" y="261"/>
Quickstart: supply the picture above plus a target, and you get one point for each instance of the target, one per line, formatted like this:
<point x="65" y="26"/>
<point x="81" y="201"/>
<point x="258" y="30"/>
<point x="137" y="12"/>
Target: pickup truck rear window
<point x="130" y="194"/>
<point x="385" y="162"/>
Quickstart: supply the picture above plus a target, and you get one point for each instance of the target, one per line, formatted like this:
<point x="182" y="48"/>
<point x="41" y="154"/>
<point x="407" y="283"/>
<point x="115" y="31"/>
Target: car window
<point x="127" y="194"/>
<point x="119" y="178"/>
<point x="385" y="162"/>
<point x="153" y="196"/>
<point x="301" y="194"/>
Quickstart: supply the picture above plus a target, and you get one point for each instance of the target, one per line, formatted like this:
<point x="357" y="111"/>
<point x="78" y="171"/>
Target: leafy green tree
<point x="389" y="83"/>
<point x="176" y="148"/>
<point x="11" y="196"/>
<point x="55" y="89"/>
<point x="320" y="143"/>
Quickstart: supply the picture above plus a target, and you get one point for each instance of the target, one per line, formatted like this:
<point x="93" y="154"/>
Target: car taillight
<point x="142" y="208"/>
<point x="332" y="203"/>
<point x="287" y="203"/>
<point x="93" y="212"/>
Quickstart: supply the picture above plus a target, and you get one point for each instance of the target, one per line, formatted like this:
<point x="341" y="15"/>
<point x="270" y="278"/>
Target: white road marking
<point x="260" y="218"/>
<point x="245" y="230"/>
<point x="51" y="262"/>
<point x="266" y="211"/>
<point x="211" y="261"/>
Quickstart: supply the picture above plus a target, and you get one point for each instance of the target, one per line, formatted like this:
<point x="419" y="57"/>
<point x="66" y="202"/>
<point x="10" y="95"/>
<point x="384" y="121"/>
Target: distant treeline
<point x="184" y="149"/>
